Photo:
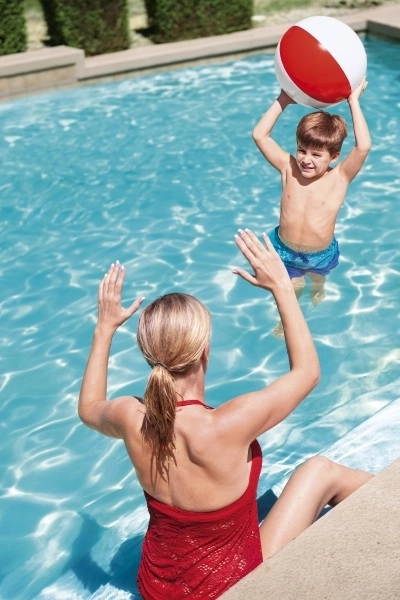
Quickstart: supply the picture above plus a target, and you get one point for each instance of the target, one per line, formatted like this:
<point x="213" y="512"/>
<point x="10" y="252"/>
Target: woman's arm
<point x="249" y="415"/>
<point x="93" y="408"/>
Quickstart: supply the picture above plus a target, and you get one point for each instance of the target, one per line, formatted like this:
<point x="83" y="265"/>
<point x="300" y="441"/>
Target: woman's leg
<point x="316" y="483"/>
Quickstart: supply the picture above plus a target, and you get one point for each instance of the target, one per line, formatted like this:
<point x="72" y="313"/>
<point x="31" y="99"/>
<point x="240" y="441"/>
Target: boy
<point x="312" y="191"/>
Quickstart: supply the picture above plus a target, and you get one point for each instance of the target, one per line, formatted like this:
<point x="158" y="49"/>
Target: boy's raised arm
<point x="352" y="164"/>
<point x="262" y="132"/>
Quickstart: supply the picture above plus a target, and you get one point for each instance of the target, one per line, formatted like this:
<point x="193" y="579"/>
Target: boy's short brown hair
<point x="322" y="131"/>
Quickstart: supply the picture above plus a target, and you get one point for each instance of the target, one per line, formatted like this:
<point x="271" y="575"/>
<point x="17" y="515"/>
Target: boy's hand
<point x="359" y="90"/>
<point x="284" y="99"/>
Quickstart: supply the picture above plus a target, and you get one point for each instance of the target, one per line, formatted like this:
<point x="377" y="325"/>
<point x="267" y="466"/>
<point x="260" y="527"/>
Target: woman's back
<point x="208" y="472"/>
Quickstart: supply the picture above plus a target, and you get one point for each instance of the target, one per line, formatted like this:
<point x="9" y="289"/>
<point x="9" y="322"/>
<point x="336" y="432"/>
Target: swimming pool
<point x="159" y="172"/>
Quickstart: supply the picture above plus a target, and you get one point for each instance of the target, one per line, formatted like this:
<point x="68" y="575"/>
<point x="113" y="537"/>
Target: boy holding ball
<point x="312" y="190"/>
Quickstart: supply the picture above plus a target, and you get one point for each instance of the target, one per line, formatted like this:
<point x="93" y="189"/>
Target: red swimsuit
<point x="189" y="554"/>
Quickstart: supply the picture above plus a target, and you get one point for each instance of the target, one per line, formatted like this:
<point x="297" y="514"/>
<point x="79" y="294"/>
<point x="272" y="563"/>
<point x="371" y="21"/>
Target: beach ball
<point x="319" y="61"/>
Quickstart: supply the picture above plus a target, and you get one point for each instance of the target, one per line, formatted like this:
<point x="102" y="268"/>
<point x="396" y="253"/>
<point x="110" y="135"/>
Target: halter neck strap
<point x="190" y="402"/>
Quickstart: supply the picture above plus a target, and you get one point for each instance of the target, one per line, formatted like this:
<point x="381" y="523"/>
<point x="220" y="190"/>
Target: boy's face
<point x="312" y="162"/>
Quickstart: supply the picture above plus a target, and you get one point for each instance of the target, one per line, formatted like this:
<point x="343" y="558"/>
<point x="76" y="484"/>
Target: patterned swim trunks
<point x="300" y="263"/>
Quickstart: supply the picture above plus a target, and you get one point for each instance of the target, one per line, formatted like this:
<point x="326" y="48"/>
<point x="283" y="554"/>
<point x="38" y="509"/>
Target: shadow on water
<point x="123" y="566"/>
<point x="264" y="504"/>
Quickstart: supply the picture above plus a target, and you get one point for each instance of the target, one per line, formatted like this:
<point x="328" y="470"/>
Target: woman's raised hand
<point x="111" y="313"/>
<point x="269" y="270"/>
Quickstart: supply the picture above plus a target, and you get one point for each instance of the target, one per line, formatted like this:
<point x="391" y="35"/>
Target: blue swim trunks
<point x="299" y="263"/>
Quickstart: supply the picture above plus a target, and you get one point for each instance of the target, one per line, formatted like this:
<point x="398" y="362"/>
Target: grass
<point x="262" y="7"/>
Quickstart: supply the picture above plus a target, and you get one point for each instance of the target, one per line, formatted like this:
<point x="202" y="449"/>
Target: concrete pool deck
<point x="60" y="67"/>
<point x="353" y="552"/>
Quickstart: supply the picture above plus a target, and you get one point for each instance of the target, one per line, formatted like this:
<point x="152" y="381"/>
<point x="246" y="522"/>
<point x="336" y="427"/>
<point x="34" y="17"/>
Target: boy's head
<point x="322" y="131"/>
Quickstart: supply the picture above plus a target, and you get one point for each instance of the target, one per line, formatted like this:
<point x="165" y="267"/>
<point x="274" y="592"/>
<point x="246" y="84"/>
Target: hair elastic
<point x="161" y="364"/>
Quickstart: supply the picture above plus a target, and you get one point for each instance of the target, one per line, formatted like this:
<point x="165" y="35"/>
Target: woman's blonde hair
<point x="322" y="131"/>
<point x="173" y="332"/>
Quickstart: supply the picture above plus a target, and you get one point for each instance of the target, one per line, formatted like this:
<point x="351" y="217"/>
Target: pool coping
<point x="59" y="67"/>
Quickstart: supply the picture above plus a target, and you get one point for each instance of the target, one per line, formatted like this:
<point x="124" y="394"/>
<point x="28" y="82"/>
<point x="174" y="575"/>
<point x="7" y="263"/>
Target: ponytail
<point x="158" y="423"/>
<point x="173" y="332"/>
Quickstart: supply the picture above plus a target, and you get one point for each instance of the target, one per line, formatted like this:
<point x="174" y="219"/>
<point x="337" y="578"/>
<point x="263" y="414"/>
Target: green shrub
<point x="172" y="20"/>
<point x="96" y="26"/>
<point x="13" y="36"/>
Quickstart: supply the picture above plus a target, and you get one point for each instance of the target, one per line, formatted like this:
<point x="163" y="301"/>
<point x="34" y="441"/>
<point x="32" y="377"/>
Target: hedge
<point x="13" y="36"/>
<point x="96" y="26"/>
<point x="173" y="20"/>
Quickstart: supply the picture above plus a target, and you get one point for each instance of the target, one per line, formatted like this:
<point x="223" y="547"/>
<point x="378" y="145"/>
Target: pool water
<point x="159" y="172"/>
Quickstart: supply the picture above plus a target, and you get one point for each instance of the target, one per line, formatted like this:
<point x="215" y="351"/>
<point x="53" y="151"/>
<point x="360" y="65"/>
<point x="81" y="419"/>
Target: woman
<point x="199" y="467"/>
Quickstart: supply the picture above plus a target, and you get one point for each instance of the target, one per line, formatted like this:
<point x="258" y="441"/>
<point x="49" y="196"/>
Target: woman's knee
<point x="330" y="480"/>
<point x="335" y="480"/>
<point x="320" y="467"/>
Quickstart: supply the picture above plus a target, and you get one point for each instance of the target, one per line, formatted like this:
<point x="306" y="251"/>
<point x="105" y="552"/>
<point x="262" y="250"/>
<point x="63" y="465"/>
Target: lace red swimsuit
<point x="195" y="555"/>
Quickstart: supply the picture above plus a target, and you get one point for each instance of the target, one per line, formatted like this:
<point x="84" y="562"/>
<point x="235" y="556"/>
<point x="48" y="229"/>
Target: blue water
<point x="159" y="172"/>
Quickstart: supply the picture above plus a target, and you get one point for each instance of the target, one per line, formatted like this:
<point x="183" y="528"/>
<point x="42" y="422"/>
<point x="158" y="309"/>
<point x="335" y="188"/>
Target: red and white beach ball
<point x="319" y="61"/>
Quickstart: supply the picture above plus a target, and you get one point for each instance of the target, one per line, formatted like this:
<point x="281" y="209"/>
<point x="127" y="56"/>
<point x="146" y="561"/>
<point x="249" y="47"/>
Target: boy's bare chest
<point x="325" y="191"/>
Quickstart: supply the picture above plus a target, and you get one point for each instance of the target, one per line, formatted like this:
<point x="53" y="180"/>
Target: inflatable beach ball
<point x="319" y="61"/>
